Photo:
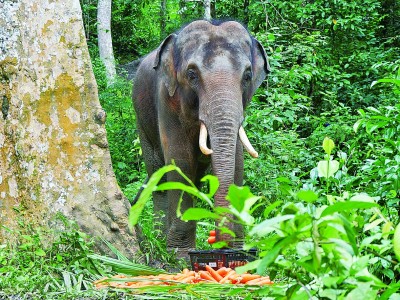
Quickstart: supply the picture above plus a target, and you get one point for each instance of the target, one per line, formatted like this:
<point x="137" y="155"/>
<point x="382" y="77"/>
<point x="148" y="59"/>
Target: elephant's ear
<point x="165" y="60"/>
<point x="260" y="64"/>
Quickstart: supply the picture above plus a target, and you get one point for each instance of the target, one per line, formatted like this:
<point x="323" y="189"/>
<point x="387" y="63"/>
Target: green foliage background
<point x="326" y="58"/>
<point x="335" y="73"/>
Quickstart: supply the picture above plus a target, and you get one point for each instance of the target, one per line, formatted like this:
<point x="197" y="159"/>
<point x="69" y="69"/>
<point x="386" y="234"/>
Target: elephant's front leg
<point x="179" y="148"/>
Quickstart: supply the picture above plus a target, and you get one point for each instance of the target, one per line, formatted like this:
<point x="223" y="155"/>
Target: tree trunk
<point x="207" y="10"/>
<point x="163" y="13"/>
<point x="54" y="155"/>
<point x="104" y="38"/>
<point x="246" y="4"/>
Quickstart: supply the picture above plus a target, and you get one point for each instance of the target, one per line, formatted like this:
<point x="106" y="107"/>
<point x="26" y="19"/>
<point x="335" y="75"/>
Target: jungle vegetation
<point x="323" y="197"/>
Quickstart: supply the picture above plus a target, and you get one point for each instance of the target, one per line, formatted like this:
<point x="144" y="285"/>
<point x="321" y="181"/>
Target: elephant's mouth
<point x="242" y="136"/>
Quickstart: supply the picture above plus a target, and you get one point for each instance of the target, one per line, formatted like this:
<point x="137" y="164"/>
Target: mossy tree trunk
<point x="54" y="155"/>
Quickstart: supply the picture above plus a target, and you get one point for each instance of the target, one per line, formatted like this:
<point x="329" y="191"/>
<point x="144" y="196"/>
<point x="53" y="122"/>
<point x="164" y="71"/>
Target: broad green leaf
<point x="362" y="197"/>
<point x="363" y="291"/>
<point x="307" y="195"/>
<point x="269" y="225"/>
<point x="40" y="252"/>
<point x="146" y="193"/>
<point x="249" y="266"/>
<point x="357" y="125"/>
<point x="372" y="225"/>
<point x="387" y="227"/>
<point x="167" y="186"/>
<point x="274" y="252"/>
<point x="396" y="242"/>
<point x="374" y="110"/>
<point x="328" y="145"/>
<point x="237" y="196"/>
<point x="213" y="184"/>
<point x="389" y="80"/>
<point x="195" y="214"/>
<point x="345" y="206"/>
<point x="327" y="168"/>
<point x="271" y="207"/>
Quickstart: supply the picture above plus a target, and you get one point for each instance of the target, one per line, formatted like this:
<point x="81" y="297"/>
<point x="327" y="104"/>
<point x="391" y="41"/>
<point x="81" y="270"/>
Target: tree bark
<point x="207" y="10"/>
<point x="246" y="5"/>
<point x="104" y="38"/>
<point x="163" y="13"/>
<point x="54" y="155"/>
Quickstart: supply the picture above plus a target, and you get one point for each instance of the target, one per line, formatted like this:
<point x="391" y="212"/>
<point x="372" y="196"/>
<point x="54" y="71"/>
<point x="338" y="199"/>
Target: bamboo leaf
<point x="348" y="205"/>
<point x="146" y="193"/>
<point x="197" y="213"/>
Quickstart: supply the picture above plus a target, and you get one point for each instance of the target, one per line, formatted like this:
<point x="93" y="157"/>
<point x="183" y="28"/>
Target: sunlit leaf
<point x="271" y="207"/>
<point x="197" y="213"/>
<point x="357" y="125"/>
<point x="307" y="195"/>
<point x="269" y="225"/>
<point x="40" y="252"/>
<point x="146" y="193"/>
<point x="213" y="184"/>
<point x="396" y="241"/>
<point x="328" y="145"/>
<point x="348" y="205"/>
<point x="327" y="168"/>
<point x="237" y="196"/>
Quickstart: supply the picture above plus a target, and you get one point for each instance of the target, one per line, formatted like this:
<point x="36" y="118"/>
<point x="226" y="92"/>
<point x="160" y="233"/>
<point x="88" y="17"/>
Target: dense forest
<point x="322" y="200"/>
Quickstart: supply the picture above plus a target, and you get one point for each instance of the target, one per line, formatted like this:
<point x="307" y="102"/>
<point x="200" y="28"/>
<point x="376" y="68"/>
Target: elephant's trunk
<point x="221" y="114"/>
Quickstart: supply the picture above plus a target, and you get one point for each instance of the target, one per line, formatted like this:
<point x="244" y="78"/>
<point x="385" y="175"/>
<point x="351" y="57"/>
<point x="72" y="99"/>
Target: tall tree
<point x="54" y="154"/>
<point x="207" y="9"/>
<point x="105" y="39"/>
<point x="163" y="14"/>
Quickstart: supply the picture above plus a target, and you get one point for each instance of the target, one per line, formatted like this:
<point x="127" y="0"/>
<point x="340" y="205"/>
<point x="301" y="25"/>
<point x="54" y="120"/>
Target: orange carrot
<point x="257" y="281"/>
<point x="223" y="271"/>
<point x="188" y="279"/>
<point x="207" y="276"/>
<point x="228" y="276"/>
<point x="248" y="277"/>
<point x="213" y="273"/>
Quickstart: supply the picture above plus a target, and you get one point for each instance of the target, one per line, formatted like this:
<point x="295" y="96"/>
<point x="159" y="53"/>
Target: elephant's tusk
<point x="203" y="140"/>
<point x="246" y="143"/>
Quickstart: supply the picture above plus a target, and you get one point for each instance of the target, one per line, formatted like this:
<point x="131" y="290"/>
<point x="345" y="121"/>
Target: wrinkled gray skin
<point x="204" y="73"/>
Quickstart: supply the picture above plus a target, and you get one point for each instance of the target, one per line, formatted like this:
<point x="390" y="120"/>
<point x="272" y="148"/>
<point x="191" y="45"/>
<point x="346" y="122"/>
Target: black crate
<point x="218" y="258"/>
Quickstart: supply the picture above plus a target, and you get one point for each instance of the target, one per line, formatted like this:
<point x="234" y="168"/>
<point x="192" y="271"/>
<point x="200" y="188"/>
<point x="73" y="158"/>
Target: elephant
<point x="189" y="96"/>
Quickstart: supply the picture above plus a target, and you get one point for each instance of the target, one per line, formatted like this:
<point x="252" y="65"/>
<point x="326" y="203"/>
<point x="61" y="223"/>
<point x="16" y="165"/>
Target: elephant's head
<point x="215" y="69"/>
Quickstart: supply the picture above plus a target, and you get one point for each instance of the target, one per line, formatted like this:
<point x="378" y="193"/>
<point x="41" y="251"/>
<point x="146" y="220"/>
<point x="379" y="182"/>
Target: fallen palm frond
<point x="127" y="267"/>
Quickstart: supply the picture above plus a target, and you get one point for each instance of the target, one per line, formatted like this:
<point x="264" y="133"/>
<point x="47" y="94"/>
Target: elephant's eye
<point x="191" y="74"/>
<point x="247" y="77"/>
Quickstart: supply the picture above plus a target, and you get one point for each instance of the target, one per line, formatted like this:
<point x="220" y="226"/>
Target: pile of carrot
<point x="222" y="276"/>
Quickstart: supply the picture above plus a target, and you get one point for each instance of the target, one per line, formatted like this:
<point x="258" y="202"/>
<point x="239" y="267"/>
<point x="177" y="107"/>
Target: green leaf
<point x="146" y="193"/>
<point x="327" y="168"/>
<point x="237" y="196"/>
<point x="345" y="206"/>
<point x="274" y="252"/>
<point x="127" y="267"/>
<point x="249" y="266"/>
<point x="271" y="207"/>
<point x="213" y="184"/>
<point x="357" y="125"/>
<point x="269" y="225"/>
<point x="167" y="186"/>
<point x="396" y="242"/>
<point x="40" y="252"/>
<point x="328" y="145"/>
<point x="195" y="214"/>
<point x="307" y="195"/>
